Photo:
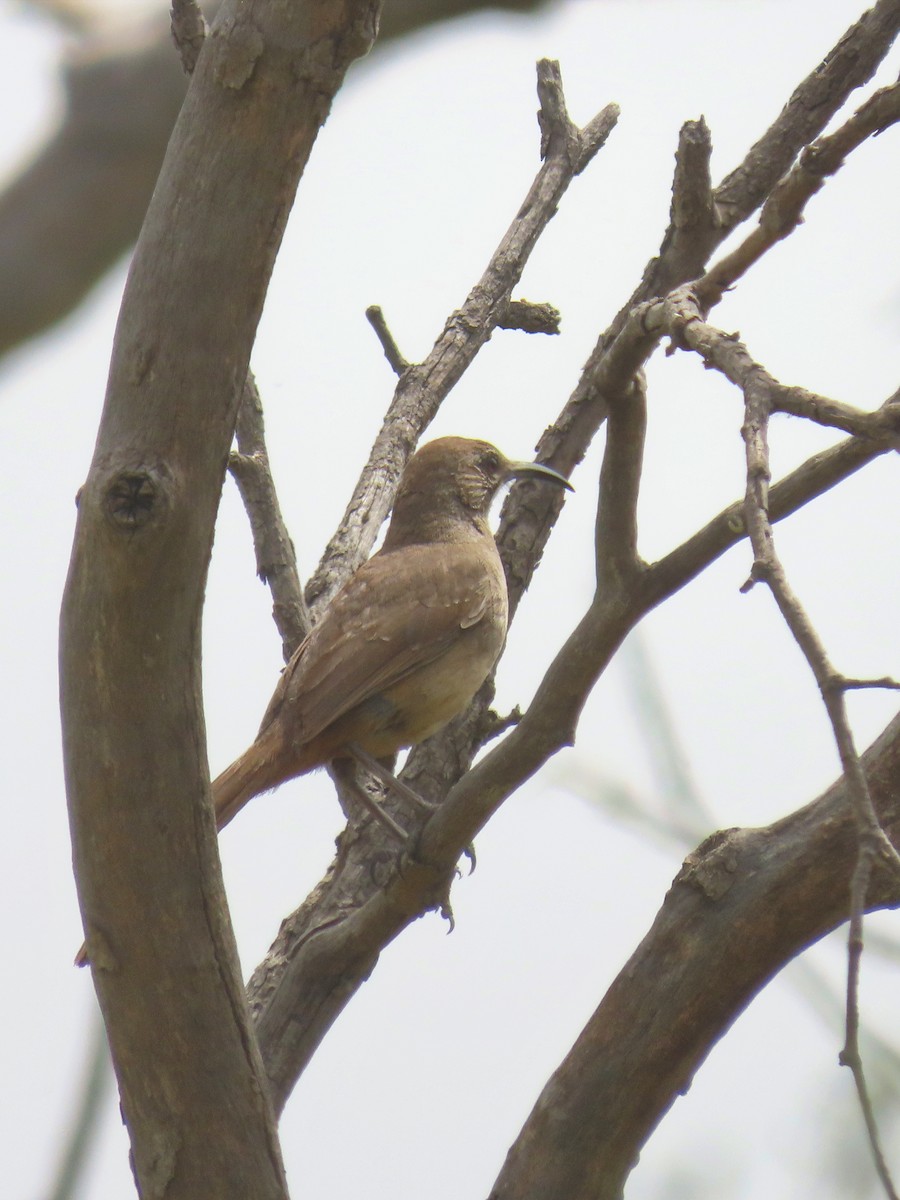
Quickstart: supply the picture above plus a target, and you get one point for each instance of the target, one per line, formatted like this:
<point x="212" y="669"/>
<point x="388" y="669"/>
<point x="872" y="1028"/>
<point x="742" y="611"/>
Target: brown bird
<point x="407" y="642"/>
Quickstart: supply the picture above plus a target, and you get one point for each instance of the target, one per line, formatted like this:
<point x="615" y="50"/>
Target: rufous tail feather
<point x="257" y="770"/>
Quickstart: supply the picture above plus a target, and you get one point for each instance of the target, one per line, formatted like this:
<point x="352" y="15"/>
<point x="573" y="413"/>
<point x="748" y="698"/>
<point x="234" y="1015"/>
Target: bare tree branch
<point x="376" y="319"/>
<point x="276" y="562"/>
<point x="872" y="838"/>
<point x="728" y="354"/>
<point x="745" y="903"/>
<point x="851" y="62"/>
<point x="848" y="65"/>
<point x="783" y="209"/>
<point x="681" y="317"/>
<point x="422" y="388"/>
<point x="616" y="537"/>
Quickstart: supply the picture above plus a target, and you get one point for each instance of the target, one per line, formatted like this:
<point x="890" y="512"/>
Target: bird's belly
<point x="425" y="700"/>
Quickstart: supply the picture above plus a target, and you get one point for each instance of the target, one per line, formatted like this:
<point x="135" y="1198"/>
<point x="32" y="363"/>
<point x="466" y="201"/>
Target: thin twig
<point x="276" y="562"/>
<point x="616" y="549"/>
<point x="872" y="838"/>
<point x="681" y="316"/>
<point x="376" y="318"/>
<point x="422" y="388"/>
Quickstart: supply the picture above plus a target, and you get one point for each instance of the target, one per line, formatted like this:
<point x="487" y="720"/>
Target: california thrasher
<point x="407" y="642"/>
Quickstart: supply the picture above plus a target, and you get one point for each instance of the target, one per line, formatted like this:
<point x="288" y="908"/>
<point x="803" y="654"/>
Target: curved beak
<point x="516" y="469"/>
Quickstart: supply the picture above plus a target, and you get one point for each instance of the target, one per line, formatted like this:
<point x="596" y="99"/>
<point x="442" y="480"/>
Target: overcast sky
<point x="431" y="146"/>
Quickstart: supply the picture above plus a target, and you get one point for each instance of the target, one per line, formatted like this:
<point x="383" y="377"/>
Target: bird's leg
<point x="388" y="778"/>
<point x="347" y="776"/>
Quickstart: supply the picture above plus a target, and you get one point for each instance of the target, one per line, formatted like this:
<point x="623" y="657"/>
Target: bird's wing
<point x="384" y="624"/>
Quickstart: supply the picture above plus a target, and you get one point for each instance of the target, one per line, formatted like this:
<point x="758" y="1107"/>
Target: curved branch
<point x="616" y="535"/>
<point x="146" y="862"/>
<point x="744" y="904"/>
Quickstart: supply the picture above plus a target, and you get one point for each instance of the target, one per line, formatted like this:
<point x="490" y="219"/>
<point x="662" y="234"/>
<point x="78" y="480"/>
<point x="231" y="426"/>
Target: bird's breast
<point x="434" y="694"/>
<point x="425" y="698"/>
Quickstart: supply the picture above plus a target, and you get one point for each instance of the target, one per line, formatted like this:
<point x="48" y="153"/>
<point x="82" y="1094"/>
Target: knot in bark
<point x="134" y="499"/>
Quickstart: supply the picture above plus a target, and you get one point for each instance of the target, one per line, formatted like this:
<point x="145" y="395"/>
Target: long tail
<point x="259" y="768"/>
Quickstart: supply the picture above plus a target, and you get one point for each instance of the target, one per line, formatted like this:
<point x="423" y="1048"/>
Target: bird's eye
<point x="490" y="461"/>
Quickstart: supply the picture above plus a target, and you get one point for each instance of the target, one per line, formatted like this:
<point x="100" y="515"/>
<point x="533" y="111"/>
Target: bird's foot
<point x="374" y="809"/>
<point x="345" y="771"/>
<point x="388" y="778"/>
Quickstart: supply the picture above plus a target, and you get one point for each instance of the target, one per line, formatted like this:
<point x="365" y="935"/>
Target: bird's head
<point x="449" y="484"/>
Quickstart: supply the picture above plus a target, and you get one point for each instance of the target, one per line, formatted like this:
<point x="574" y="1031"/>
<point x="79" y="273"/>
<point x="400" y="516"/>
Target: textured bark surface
<point x="165" y="968"/>
<point x="745" y="903"/>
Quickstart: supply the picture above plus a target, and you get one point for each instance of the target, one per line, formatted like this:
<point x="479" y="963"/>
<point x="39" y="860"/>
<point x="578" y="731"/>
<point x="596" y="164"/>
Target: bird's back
<point x="404" y="646"/>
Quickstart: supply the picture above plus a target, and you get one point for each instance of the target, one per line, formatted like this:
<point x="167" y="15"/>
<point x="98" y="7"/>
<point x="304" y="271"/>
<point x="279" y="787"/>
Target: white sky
<point x="430" y="148"/>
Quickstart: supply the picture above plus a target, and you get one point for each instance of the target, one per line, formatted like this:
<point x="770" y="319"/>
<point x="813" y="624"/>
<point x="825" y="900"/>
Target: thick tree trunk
<point x="193" y="1091"/>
